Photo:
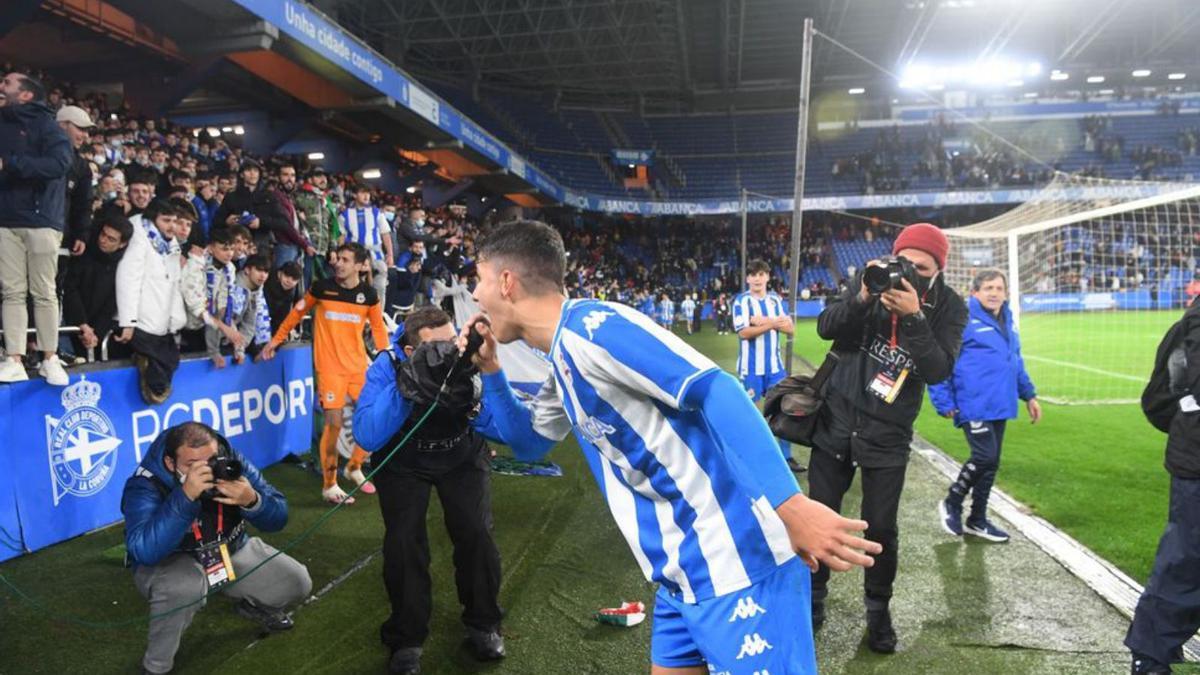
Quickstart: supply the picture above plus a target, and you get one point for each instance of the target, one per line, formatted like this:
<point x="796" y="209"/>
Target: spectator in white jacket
<point x="150" y="310"/>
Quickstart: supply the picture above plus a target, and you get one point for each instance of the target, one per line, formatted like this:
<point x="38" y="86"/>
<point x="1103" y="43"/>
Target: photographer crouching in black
<point x="186" y="510"/>
<point x="447" y="452"/>
<point x="896" y="328"/>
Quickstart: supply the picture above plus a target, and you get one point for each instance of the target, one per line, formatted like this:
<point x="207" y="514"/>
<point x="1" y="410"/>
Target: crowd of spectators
<point x="160" y="238"/>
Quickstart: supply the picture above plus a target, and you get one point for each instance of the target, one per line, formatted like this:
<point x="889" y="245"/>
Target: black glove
<point x="420" y="378"/>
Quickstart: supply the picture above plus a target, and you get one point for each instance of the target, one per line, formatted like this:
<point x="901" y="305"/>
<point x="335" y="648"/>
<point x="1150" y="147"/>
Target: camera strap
<point x="218" y="567"/>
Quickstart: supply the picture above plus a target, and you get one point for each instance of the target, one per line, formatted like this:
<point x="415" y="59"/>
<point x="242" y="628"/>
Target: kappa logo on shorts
<point x="746" y="608"/>
<point x="753" y="645"/>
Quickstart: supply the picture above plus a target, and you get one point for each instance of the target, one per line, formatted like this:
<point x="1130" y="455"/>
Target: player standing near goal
<point x="981" y="396"/>
<point x="690" y="471"/>
<point x="341" y="306"/>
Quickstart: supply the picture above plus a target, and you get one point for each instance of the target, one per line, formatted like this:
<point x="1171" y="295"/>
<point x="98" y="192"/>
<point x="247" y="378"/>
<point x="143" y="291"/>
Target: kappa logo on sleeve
<point x="594" y="319"/>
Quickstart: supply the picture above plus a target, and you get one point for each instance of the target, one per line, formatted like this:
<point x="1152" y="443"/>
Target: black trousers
<point x="828" y="480"/>
<point x="161" y="353"/>
<point x="1168" y="613"/>
<point x="464" y="490"/>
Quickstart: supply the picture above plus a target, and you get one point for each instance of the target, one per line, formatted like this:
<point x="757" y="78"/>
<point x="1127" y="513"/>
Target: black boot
<point x="881" y="637"/>
<point x="485" y="645"/>
<point x="405" y="661"/>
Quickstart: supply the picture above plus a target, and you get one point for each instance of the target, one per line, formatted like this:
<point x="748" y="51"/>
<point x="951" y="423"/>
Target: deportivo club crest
<point x="82" y="444"/>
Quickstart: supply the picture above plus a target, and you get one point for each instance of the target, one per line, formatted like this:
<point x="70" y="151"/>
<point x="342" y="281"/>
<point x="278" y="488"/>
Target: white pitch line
<point x="1079" y="366"/>
<point x="1110" y="583"/>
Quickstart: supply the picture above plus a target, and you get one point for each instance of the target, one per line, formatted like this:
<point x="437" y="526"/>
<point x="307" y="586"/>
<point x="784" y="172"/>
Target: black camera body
<point x="888" y="275"/>
<point x="223" y="468"/>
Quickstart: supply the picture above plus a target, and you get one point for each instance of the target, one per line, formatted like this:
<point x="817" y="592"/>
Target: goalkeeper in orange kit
<point x="341" y="306"/>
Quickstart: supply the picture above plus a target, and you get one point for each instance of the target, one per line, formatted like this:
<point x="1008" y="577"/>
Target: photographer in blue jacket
<point x="186" y="509"/>
<point x="981" y="397"/>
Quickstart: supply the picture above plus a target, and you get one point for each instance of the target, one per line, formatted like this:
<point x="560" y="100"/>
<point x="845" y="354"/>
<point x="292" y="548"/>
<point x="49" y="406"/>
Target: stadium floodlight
<point x="1095" y="79"/>
<point x="1176" y="76"/>
<point x="226" y="129"/>
<point x="1141" y="72"/>
<point x="196" y="133"/>
<point x="1059" y="76"/>
<point x="239" y="130"/>
<point x="856" y="91"/>
<point x="411" y="189"/>
<point x="213" y="131"/>
<point x="633" y="166"/>
<point x="371" y="174"/>
<point x="315" y="156"/>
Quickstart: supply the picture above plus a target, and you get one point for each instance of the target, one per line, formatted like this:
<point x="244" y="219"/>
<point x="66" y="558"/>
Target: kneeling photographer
<point x="448" y="451"/>
<point x="896" y="328"/>
<point x="186" y="510"/>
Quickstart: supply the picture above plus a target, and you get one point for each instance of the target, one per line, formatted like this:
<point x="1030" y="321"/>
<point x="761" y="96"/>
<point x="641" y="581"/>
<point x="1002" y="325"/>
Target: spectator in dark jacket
<point x="179" y="520"/>
<point x="90" y="284"/>
<point x="75" y="123"/>
<point x="206" y="206"/>
<point x="283" y="292"/>
<point x="890" y="346"/>
<point x="253" y="206"/>
<point x="35" y="157"/>
<point x="1168" y="613"/>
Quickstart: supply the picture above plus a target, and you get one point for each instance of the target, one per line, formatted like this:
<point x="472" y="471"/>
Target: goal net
<point x="1098" y="269"/>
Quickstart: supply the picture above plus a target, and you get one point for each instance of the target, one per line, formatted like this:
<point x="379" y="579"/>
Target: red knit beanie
<point x="924" y="237"/>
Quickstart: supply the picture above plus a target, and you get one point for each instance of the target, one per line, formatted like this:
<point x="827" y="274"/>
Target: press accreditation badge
<point x="888" y="382"/>
<point x="218" y="568"/>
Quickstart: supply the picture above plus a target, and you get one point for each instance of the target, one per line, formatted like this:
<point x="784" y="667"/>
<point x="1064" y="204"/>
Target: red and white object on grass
<point x="628" y="614"/>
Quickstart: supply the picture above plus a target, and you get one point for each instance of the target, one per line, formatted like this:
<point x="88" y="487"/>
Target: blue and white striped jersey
<point x="620" y="381"/>
<point x="666" y="310"/>
<point x="366" y="226"/>
<point x="758" y="355"/>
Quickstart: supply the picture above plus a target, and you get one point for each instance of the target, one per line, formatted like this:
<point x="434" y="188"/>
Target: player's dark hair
<point x="291" y="269"/>
<point x="423" y="317"/>
<point x="184" y="209"/>
<point x="188" y="434"/>
<point x="757" y="266"/>
<point x="221" y="235"/>
<point x="533" y="249"/>
<point x="240" y="232"/>
<point x="258" y="261"/>
<point x="358" y="250"/>
<point x="115" y="221"/>
<point x="156" y="208"/>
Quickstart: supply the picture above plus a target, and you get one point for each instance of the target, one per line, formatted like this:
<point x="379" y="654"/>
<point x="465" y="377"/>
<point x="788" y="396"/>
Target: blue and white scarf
<point x="161" y="244"/>
<point x="210" y="275"/>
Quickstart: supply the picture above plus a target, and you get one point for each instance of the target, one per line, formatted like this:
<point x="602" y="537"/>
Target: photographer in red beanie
<point x="896" y="328"/>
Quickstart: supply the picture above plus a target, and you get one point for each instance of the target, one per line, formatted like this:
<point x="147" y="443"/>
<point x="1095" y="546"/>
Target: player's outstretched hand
<point x="486" y="359"/>
<point x="820" y="536"/>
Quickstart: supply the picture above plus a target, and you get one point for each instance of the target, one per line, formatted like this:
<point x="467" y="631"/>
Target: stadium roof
<point x="683" y="49"/>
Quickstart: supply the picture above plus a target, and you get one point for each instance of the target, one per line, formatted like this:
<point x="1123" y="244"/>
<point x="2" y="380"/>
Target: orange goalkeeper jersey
<point x="338" y="317"/>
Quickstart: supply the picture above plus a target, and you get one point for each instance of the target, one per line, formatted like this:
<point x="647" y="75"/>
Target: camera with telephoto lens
<point x="223" y="468"/>
<point x="888" y="275"/>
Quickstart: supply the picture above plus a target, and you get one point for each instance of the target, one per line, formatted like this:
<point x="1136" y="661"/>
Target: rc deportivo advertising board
<point x="72" y="448"/>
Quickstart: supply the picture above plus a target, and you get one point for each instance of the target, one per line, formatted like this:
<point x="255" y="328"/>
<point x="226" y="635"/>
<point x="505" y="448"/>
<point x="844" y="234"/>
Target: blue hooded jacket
<point x="158" y="514"/>
<point x="35" y="156"/>
<point x="989" y="375"/>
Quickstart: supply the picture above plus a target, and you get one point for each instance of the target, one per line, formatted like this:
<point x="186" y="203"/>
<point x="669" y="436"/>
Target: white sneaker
<point x="336" y="495"/>
<point x="12" y="371"/>
<point x="52" y="369"/>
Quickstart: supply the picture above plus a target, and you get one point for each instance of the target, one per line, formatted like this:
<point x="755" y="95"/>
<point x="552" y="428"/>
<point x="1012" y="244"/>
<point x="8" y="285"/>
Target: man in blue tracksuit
<point x="448" y="453"/>
<point x="981" y="396"/>
<point x="186" y="535"/>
